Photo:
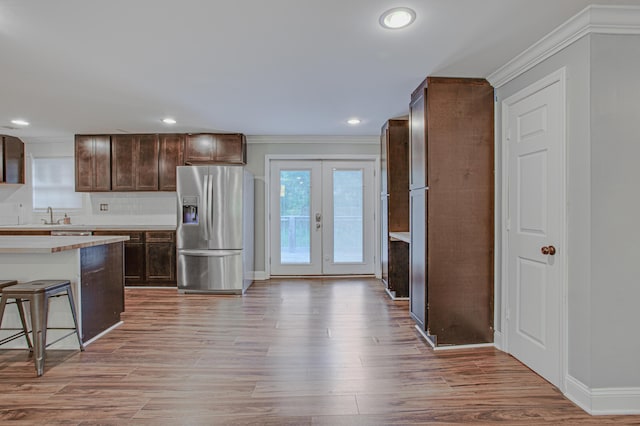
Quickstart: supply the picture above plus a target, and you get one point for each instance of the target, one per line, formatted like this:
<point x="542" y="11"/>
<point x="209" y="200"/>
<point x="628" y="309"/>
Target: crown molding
<point x="306" y="139"/>
<point x="594" y="19"/>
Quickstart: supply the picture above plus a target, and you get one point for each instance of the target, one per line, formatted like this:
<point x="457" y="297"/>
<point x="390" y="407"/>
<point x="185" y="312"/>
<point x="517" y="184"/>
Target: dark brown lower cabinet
<point x="399" y="268"/>
<point x="160" y="262"/>
<point x="133" y="262"/>
<point x="149" y="257"/>
<point x="102" y="296"/>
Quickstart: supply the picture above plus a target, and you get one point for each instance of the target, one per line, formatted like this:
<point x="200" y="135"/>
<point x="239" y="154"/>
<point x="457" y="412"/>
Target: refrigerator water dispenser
<point x="190" y="210"/>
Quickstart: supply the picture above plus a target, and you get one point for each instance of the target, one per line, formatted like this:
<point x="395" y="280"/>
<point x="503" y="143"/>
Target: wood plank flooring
<point x="290" y="352"/>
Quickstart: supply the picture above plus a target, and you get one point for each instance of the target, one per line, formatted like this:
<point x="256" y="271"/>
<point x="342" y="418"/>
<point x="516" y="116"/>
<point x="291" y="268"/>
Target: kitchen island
<point x="150" y="252"/>
<point x="93" y="265"/>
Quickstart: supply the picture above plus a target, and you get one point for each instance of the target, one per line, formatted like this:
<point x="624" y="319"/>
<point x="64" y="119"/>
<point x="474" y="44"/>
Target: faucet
<point x="51" y="222"/>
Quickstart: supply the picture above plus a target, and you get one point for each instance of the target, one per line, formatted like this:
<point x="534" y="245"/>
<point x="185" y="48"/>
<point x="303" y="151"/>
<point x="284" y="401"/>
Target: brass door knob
<point x="550" y="250"/>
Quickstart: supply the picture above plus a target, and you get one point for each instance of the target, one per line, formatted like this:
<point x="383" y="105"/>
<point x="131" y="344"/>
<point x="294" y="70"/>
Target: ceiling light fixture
<point x="396" y="18"/>
<point x="168" y="120"/>
<point x="353" y="121"/>
<point x="20" y="122"/>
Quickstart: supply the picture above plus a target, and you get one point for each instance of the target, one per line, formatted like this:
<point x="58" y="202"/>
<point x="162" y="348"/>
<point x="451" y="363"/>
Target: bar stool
<point x="38" y="294"/>
<point x="24" y="330"/>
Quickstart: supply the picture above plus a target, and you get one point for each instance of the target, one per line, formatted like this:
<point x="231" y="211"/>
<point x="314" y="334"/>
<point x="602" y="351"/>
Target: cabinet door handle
<point x="548" y="250"/>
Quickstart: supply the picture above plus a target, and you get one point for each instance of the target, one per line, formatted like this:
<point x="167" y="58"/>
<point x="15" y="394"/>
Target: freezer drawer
<point x="210" y="271"/>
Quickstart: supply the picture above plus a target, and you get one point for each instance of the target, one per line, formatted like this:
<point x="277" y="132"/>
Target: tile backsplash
<point x="133" y="208"/>
<point x="10" y="213"/>
<point x="133" y="203"/>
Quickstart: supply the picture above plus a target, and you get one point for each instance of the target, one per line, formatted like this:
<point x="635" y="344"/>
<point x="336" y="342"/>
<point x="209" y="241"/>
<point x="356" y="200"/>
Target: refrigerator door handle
<point x="210" y="253"/>
<point x="210" y="207"/>
<point x="205" y="207"/>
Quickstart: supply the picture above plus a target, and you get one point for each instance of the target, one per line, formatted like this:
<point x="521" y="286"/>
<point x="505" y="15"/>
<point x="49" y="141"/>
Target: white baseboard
<point x="497" y="340"/>
<point x="96" y="337"/>
<point x="260" y="276"/>
<point x="392" y="295"/>
<point x="429" y="340"/>
<point x="603" y="401"/>
<point x="458" y="347"/>
<point x="578" y="393"/>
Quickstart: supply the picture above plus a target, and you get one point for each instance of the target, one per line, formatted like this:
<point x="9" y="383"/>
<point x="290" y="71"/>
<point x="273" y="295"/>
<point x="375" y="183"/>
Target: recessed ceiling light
<point x="168" y="120"/>
<point x="353" y="121"/>
<point x="20" y="122"/>
<point x="396" y="18"/>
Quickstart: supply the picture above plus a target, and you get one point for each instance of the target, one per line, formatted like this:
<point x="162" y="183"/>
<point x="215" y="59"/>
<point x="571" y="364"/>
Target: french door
<point x="322" y="217"/>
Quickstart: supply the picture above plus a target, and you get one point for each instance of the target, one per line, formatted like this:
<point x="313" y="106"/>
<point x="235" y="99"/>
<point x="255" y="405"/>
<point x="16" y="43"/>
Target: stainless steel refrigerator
<point x="215" y="229"/>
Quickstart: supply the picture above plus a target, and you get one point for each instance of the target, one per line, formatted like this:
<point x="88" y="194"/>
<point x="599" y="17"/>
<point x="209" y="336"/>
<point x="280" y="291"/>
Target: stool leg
<point x="24" y="323"/>
<point x="75" y="319"/>
<point x="3" y="303"/>
<point x="39" y="327"/>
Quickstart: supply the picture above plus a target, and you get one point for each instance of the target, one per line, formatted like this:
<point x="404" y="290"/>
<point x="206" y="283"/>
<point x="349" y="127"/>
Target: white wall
<point x="21" y="195"/>
<point x="603" y="206"/>
<point x="615" y="210"/>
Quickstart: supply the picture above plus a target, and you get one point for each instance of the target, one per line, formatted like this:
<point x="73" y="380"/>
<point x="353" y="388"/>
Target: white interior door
<point x="533" y="121"/>
<point x="322" y="217"/>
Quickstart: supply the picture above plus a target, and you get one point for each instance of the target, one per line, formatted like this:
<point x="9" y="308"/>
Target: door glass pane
<point x="347" y="216"/>
<point x="295" y="226"/>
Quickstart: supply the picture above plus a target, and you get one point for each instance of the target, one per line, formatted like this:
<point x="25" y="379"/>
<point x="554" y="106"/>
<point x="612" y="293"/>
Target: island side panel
<point x="25" y="267"/>
<point x="102" y="282"/>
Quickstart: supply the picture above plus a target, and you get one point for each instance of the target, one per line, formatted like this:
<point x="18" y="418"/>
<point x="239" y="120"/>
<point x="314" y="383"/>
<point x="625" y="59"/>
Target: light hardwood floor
<point x="290" y="352"/>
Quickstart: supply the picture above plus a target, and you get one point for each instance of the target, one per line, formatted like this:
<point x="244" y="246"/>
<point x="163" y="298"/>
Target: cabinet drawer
<point x="135" y="237"/>
<point x="160" y="236"/>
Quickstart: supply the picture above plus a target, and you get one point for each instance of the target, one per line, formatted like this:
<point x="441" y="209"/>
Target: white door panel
<point x="535" y="143"/>
<point x="295" y="197"/>
<point x="348" y="193"/>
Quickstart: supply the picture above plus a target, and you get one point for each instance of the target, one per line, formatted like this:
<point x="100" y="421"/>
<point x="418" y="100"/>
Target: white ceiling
<point x="260" y="67"/>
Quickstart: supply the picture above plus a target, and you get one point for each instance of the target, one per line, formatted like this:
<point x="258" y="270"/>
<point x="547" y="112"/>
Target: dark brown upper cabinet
<point x="418" y="149"/>
<point x="12" y="161"/>
<point x="147" y="162"/>
<point x="134" y="162"/>
<point x="93" y="163"/>
<point x="215" y="148"/>
<point x="171" y="156"/>
<point x="231" y="149"/>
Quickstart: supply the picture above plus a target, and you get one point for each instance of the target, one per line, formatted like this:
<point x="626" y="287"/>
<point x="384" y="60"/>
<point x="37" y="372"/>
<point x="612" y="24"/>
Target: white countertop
<point x="72" y="227"/>
<point x="26" y="244"/>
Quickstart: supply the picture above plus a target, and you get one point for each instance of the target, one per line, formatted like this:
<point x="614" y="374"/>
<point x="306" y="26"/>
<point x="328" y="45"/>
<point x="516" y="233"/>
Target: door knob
<point x="550" y="250"/>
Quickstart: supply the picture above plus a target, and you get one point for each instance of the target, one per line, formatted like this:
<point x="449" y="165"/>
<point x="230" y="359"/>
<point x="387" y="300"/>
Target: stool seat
<point x="38" y="293"/>
<point x="39" y="286"/>
<point x="7" y="283"/>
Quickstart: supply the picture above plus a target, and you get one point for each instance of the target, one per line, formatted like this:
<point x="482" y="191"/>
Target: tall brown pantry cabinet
<point x="451" y="210"/>
<point x="394" y="178"/>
